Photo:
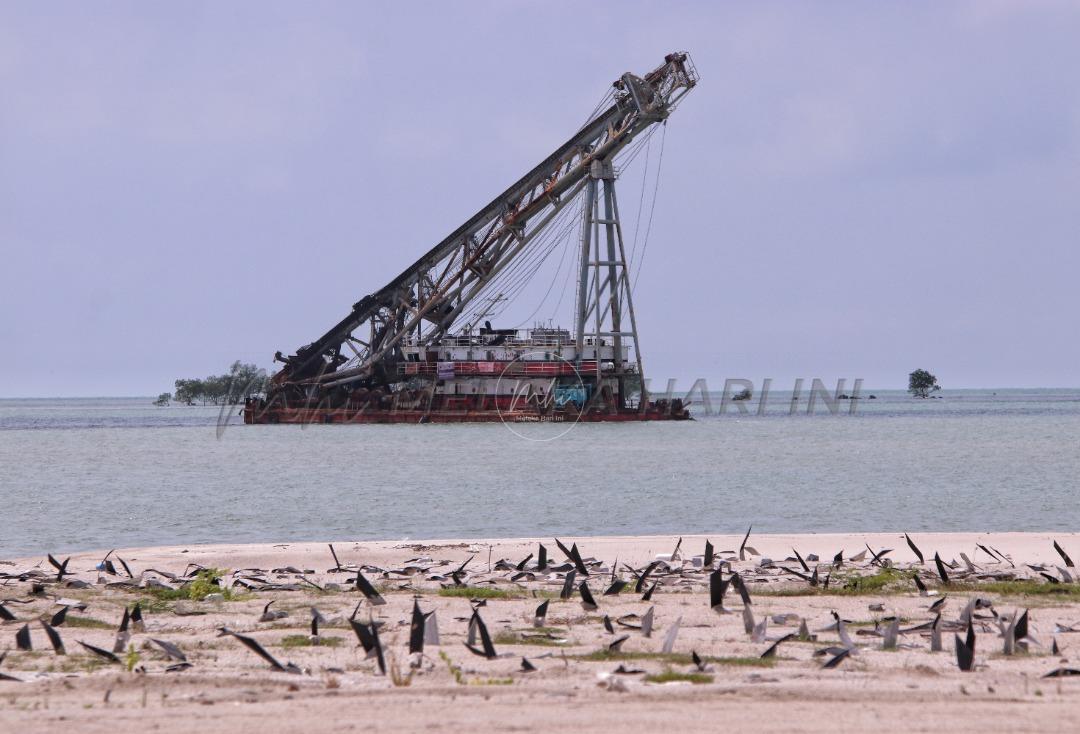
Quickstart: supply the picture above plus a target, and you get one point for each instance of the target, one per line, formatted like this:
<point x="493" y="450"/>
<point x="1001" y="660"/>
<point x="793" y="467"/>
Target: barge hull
<point x="253" y="415"/>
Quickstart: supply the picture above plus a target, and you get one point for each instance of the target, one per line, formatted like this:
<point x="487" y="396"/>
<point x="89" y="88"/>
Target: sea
<point x="101" y="473"/>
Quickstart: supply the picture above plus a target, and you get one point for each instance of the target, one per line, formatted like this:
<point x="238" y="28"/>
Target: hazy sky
<point x="854" y="190"/>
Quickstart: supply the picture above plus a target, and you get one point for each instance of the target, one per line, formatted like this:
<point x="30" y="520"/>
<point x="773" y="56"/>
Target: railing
<point x="520" y="368"/>
<point x="492" y="342"/>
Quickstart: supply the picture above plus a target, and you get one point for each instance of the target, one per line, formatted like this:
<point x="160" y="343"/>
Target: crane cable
<point x="562" y="258"/>
<point x="652" y="209"/>
<point x="624" y="160"/>
<point x="524" y="270"/>
<point x="641" y="199"/>
<point x="518" y="274"/>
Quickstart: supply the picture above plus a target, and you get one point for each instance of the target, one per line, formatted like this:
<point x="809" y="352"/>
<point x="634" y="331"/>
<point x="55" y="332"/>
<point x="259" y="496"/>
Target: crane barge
<point x="420" y="349"/>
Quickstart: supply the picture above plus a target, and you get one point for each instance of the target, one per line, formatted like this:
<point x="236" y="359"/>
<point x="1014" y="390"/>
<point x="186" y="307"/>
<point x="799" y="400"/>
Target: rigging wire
<point x="641" y="199"/>
<point x="523" y="269"/>
<point x="512" y="279"/>
<point x="652" y="209"/>
<point x="604" y="101"/>
<point x="562" y="258"/>
<point x="527" y="275"/>
<point x="576" y="262"/>
<point x="508" y="272"/>
<point x="537" y="248"/>
<point x="625" y="158"/>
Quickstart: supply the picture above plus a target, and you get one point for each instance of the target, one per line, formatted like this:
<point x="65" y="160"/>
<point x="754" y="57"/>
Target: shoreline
<point x="1021" y="546"/>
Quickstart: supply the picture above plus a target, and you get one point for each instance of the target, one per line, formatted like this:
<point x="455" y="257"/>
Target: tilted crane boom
<point x="428" y="297"/>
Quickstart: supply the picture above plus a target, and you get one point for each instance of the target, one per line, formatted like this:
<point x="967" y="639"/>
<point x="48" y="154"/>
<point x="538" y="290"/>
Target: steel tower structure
<point x="425" y="301"/>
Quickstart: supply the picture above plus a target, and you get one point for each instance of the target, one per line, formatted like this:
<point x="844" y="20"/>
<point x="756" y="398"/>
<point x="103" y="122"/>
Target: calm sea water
<point x="101" y="473"/>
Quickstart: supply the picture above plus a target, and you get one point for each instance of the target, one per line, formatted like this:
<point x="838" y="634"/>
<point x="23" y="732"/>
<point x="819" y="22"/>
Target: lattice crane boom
<point x="429" y="296"/>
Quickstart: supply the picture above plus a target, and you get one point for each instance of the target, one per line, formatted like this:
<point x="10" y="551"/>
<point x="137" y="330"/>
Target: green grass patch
<point x="672" y="658"/>
<point x="1020" y="587"/>
<point x="892" y="581"/>
<point x="515" y="638"/>
<point x="886" y="581"/>
<point x="605" y="655"/>
<point x="455" y="670"/>
<point x="206" y="582"/>
<point x="481" y="592"/>
<point x="790" y="591"/>
<point x="87" y="623"/>
<point x="874" y="622"/>
<point x="543" y="594"/>
<point x="873" y="584"/>
<point x="166" y="595"/>
<point x="743" y="661"/>
<point x="461" y="680"/>
<point x="673" y="676"/>
<point x="305" y="641"/>
<point x="154" y="605"/>
<point x="77" y="664"/>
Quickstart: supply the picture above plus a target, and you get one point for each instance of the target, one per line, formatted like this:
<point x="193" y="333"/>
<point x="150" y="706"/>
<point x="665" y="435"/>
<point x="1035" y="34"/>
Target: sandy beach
<point x="575" y="683"/>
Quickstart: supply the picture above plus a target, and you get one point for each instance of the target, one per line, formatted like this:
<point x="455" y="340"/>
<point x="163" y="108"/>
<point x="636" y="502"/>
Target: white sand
<point x="229" y="689"/>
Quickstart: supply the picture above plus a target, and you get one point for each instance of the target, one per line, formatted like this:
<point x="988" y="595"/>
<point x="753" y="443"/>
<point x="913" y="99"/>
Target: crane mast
<point x="421" y="306"/>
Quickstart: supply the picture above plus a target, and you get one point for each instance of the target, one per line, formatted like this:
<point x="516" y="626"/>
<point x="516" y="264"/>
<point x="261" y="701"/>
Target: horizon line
<point x="772" y="389"/>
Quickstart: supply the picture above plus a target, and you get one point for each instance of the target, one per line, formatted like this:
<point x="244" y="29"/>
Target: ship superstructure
<point x="421" y="349"/>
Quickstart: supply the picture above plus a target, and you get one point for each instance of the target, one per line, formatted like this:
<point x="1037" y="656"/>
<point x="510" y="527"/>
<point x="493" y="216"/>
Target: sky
<point x="853" y="189"/>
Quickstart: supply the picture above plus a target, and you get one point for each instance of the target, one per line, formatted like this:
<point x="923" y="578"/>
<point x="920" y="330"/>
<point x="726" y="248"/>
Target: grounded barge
<point x="422" y="348"/>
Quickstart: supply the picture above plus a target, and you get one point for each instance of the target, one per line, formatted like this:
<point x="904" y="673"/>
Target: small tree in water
<point x="242" y="381"/>
<point x="921" y="383"/>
